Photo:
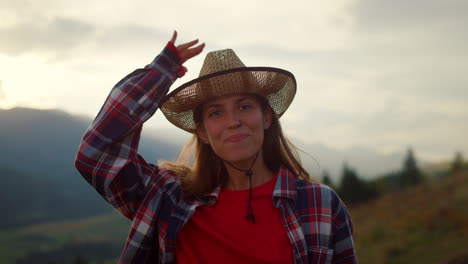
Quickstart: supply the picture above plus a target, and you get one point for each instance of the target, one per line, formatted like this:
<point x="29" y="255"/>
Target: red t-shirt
<point x="222" y="233"/>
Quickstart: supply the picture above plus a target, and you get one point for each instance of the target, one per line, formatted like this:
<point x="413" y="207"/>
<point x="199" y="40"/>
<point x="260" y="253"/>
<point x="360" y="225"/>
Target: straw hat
<point x="223" y="73"/>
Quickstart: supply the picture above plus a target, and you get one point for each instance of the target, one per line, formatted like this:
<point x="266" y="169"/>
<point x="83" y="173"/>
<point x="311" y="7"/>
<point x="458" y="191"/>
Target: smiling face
<point x="234" y="126"/>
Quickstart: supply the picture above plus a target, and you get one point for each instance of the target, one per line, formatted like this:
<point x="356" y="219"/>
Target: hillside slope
<point x="424" y="224"/>
<point x="40" y="182"/>
<point x="99" y="237"/>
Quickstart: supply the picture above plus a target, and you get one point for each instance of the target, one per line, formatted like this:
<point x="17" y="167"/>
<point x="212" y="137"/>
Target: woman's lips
<point x="236" y="138"/>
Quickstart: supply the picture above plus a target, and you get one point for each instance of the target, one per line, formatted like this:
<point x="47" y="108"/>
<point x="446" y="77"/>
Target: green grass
<point x="109" y="228"/>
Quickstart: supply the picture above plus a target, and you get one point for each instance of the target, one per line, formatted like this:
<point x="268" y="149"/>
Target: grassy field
<point x="104" y="229"/>
<point x="424" y="224"/>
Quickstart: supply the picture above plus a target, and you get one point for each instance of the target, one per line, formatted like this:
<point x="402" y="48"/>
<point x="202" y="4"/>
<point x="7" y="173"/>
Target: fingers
<point x="195" y="51"/>
<point x="190" y="53"/>
<point x="187" y="50"/>
<point x="174" y="37"/>
<point x="187" y="45"/>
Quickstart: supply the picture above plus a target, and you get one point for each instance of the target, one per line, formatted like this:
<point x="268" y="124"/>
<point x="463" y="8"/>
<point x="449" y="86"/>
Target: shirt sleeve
<point x="108" y="153"/>
<point x="342" y="238"/>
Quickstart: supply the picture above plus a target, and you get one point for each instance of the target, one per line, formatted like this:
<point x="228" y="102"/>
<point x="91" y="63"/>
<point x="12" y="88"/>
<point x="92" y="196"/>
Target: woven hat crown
<point x="220" y="60"/>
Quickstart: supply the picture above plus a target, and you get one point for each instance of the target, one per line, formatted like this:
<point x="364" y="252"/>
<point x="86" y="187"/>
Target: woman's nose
<point x="233" y="120"/>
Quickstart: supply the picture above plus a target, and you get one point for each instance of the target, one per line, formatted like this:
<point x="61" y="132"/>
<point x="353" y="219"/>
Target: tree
<point x="458" y="163"/>
<point x="326" y="179"/>
<point x="410" y="174"/>
<point x="78" y="259"/>
<point x="351" y="187"/>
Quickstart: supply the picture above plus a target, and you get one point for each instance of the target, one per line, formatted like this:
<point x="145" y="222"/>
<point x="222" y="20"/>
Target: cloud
<point x="49" y="36"/>
<point x="130" y="37"/>
<point x="411" y="29"/>
<point x="76" y="40"/>
<point x="380" y="14"/>
<point x="400" y="49"/>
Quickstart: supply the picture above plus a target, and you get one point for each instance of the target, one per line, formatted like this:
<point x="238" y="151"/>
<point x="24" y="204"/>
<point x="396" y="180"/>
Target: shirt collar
<point x="285" y="182"/>
<point x="211" y="197"/>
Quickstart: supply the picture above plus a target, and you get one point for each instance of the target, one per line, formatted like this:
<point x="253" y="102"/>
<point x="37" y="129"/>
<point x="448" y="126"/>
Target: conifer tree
<point x="326" y="179"/>
<point x="457" y="164"/>
<point x="352" y="189"/>
<point x="78" y="259"/>
<point x="410" y="174"/>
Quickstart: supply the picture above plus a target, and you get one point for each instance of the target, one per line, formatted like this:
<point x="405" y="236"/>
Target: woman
<point x="246" y="197"/>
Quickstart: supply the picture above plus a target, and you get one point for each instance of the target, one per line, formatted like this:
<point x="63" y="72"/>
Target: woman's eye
<point x="245" y="106"/>
<point x="215" y="113"/>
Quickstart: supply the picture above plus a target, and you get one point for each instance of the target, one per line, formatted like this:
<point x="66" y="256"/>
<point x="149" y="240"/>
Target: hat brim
<point x="278" y="86"/>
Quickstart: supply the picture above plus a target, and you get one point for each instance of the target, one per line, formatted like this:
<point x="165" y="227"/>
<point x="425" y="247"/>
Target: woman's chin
<point x="240" y="158"/>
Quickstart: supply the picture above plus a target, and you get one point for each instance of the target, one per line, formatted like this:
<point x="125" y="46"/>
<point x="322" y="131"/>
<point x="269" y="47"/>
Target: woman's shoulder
<point x="163" y="178"/>
<point x="310" y="190"/>
<point x="303" y="184"/>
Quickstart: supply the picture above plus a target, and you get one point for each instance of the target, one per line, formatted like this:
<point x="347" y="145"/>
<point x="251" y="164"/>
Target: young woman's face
<point x="234" y="126"/>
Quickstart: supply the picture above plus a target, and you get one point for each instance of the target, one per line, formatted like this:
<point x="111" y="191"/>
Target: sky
<point x="378" y="74"/>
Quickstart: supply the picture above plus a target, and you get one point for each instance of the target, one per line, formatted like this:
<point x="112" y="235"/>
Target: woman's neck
<point x="238" y="180"/>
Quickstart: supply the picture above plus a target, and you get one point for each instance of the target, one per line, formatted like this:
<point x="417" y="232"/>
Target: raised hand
<point x="186" y="50"/>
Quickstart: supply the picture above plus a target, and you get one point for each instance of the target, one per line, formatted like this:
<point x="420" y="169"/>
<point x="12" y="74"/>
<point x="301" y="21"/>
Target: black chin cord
<point x="250" y="214"/>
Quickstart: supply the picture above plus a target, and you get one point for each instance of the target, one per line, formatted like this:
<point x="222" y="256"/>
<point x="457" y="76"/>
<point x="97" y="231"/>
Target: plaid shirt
<point x="315" y="219"/>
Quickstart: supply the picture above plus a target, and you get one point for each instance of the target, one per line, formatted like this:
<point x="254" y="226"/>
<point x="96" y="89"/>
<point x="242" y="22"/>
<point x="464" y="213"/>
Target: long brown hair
<point x="201" y="170"/>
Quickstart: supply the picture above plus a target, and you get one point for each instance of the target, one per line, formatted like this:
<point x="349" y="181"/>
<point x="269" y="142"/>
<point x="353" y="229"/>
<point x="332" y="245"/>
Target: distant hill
<point x="47" y="140"/>
<point x="39" y="181"/>
<point x="368" y="163"/>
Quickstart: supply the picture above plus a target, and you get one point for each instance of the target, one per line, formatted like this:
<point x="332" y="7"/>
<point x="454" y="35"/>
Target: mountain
<point x="368" y="163"/>
<point x="39" y="181"/>
<point x="47" y="140"/>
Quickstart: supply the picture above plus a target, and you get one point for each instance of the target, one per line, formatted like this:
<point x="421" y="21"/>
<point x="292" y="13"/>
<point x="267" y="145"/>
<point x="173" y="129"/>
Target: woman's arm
<point x="342" y="239"/>
<point x="108" y="154"/>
